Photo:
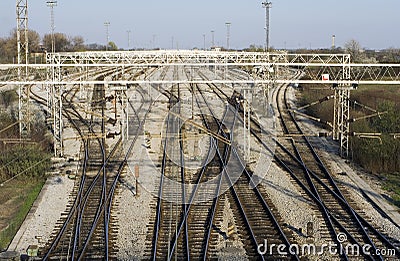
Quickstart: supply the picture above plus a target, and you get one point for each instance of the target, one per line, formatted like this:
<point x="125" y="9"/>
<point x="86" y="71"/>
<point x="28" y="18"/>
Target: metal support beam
<point x="341" y="124"/>
<point x="341" y="111"/>
<point x="55" y="105"/>
<point x="24" y="116"/>
<point x="269" y="68"/>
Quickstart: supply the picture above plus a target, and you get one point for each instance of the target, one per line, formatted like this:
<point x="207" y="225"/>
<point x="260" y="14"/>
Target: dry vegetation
<point x="381" y="158"/>
<point x="22" y="168"/>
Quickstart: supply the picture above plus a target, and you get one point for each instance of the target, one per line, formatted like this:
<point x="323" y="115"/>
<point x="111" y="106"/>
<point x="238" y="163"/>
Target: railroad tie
<point x="231" y="231"/>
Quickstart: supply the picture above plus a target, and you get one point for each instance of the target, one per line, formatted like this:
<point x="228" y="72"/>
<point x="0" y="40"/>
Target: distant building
<point x="216" y="49"/>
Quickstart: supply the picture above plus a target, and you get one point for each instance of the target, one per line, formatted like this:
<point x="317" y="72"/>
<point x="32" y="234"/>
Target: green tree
<point x="112" y="46"/>
<point x="388" y="122"/>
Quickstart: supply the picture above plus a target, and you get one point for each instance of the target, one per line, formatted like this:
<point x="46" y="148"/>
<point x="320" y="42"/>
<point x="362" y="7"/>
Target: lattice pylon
<point x="24" y="111"/>
<point x="341" y="125"/>
<point x="55" y="103"/>
<point x="341" y="110"/>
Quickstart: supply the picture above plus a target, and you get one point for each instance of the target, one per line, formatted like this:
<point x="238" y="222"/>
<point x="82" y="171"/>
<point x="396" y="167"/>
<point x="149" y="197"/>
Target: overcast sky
<point x="294" y="24"/>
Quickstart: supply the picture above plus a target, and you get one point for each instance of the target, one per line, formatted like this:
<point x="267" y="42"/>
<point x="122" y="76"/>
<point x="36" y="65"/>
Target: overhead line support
<point x="24" y="117"/>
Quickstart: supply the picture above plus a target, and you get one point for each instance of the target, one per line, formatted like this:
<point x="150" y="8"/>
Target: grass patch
<point x="24" y="202"/>
<point x="392" y="185"/>
<point x="373" y="156"/>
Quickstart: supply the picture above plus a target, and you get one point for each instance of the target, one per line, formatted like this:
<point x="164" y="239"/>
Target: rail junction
<point x="267" y="69"/>
<point x="226" y="97"/>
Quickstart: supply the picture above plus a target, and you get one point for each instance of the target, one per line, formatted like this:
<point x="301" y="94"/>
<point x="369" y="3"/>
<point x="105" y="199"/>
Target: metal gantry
<point x="267" y="69"/>
<point x="24" y="116"/>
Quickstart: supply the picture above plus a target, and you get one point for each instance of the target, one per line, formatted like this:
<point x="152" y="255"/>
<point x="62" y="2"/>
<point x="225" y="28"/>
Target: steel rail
<point x="123" y="164"/>
<point x="314" y="190"/>
<point x="76" y="201"/>
<point x="103" y="199"/>
<point x="311" y="194"/>
<point x="158" y="215"/>
<point x="81" y="196"/>
<point x="223" y="161"/>
<point x="306" y="170"/>
<point x="160" y="191"/>
<point x="195" y="190"/>
<point x="83" y="179"/>
<point x="236" y="197"/>
<point x="82" y="205"/>
<point x="106" y="207"/>
<point x="326" y="172"/>
<point x="256" y="190"/>
<point x="80" y="191"/>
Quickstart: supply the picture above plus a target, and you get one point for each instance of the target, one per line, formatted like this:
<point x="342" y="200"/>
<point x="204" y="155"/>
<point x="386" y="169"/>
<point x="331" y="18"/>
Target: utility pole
<point x="204" y="41"/>
<point x="154" y="41"/>
<point x="212" y="37"/>
<point x="228" y="34"/>
<point x="129" y="38"/>
<point x="107" y="25"/>
<point x="267" y="5"/>
<point x="52" y="4"/>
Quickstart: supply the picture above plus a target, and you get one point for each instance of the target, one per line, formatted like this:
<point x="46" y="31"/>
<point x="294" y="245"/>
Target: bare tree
<point x="61" y="42"/>
<point x="78" y="44"/>
<point x="392" y="55"/>
<point x="355" y="50"/>
<point x="8" y="46"/>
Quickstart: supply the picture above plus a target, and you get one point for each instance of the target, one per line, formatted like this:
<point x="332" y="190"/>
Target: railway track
<point x="190" y="206"/>
<point x="182" y="227"/>
<point x="253" y="208"/>
<point x="184" y="231"/>
<point x="87" y="229"/>
<point x="342" y="220"/>
<point x="82" y="234"/>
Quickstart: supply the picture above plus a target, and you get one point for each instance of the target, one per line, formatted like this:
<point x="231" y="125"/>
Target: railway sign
<point x="325" y="77"/>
